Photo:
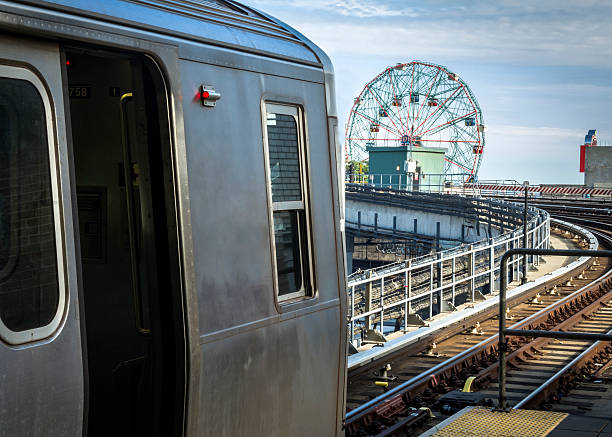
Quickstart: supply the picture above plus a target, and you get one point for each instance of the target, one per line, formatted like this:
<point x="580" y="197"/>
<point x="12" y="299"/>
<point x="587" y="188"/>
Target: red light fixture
<point x="208" y="96"/>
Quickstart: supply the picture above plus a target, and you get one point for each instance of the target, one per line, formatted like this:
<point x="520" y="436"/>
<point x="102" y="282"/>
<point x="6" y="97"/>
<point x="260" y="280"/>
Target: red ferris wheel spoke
<point x="399" y="113"/>
<point x="373" y="139"/>
<point x="458" y="165"/>
<point x="449" y="141"/>
<point x="448" y="122"/>
<point x="382" y="107"/>
<point x="375" y="121"/>
<point x="427" y="96"/>
<point x="437" y="109"/>
<point x="410" y="99"/>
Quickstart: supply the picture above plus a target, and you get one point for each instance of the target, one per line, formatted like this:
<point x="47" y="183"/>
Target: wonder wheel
<point x="418" y="104"/>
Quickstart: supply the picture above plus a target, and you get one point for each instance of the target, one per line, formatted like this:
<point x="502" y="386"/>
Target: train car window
<point x="29" y="281"/>
<point x="8" y="230"/>
<point x="285" y="162"/>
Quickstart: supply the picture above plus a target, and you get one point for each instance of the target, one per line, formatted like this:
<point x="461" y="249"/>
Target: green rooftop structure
<point x="390" y="166"/>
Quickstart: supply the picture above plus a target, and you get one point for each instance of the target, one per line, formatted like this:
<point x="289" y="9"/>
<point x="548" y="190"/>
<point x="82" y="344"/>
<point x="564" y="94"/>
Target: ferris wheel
<point x="418" y="105"/>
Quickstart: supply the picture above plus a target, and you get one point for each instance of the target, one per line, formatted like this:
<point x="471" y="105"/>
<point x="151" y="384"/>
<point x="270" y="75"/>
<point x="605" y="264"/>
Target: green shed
<point x="388" y="166"/>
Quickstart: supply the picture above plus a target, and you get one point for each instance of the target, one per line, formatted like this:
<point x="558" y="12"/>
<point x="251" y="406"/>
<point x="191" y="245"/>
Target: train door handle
<point x="129" y="193"/>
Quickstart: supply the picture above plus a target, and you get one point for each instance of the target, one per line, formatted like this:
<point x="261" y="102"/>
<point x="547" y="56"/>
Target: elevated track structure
<point x="486" y="188"/>
<point x="463" y="185"/>
<point x="402" y="295"/>
<point x="404" y="224"/>
<point x="395" y="395"/>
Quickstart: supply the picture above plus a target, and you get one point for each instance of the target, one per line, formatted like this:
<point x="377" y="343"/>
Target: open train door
<point x="41" y="369"/>
<point x="129" y="267"/>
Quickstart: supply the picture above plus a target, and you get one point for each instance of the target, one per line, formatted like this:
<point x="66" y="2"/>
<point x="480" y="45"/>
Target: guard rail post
<point x="491" y="265"/>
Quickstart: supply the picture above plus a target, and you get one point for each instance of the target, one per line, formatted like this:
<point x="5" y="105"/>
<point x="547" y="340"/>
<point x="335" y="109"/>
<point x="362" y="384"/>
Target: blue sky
<point x="542" y="72"/>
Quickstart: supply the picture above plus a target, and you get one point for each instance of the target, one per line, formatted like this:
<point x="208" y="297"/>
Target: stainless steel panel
<point x="254" y="35"/>
<point x="276" y="381"/>
<point x="24" y="18"/>
<point x="42" y="382"/>
<point x="239" y="321"/>
<point x="221" y="192"/>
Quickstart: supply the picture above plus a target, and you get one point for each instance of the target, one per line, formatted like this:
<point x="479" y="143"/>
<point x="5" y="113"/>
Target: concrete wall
<point x="598" y="168"/>
<point x="450" y="226"/>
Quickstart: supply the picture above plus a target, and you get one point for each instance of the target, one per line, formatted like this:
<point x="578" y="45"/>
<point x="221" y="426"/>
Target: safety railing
<point x="424" y="182"/>
<point x="400" y="295"/>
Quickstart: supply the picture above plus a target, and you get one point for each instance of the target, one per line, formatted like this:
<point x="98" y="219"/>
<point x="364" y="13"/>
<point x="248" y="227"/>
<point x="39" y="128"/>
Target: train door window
<point x="288" y="198"/>
<point x="31" y="297"/>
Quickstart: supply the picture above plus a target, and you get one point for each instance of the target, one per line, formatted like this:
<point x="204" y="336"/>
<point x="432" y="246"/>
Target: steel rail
<point x="503" y="331"/>
<point x="542" y="390"/>
<point x="552" y="382"/>
<point x="418" y="382"/>
<point x="424" y="378"/>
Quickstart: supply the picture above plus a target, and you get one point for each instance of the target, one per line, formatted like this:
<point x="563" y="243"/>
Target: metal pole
<point x="502" y="345"/>
<point x="454" y="285"/>
<point x="353" y="314"/>
<point x="524" y="278"/>
<point x="382" y="305"/>
<point x="491" y="265"/>
<point x="406" y="296"/>
<point x="368" y="302"/>
<point x="472" y="270"/>
<point x="431" y="273"/>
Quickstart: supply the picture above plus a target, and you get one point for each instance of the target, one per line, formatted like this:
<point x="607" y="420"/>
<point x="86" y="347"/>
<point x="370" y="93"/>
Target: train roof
<point x="223" y="23"/>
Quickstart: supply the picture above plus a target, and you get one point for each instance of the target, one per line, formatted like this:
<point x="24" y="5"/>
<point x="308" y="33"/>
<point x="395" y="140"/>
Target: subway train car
<point x="171" y="251"/>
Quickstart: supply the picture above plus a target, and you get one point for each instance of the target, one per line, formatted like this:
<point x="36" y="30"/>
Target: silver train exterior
<point x="171" y="249"/>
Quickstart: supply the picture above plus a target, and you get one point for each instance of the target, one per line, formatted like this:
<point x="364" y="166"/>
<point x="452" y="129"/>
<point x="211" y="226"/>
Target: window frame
<point x="14" y="235"/>
<point x="34" y="334"/>
<point x="307" y="290"/>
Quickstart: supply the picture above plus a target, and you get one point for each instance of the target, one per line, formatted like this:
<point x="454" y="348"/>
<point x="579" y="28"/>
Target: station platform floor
<point x="551" y="263"/>
<point x="487" y="422"/>
<point x="583" y="426"/>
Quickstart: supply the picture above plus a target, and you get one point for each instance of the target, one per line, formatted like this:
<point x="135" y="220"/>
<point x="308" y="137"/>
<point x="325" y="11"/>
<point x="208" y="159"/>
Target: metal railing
<point x="391" y="296"/>
<point x="426" y="182"/>
<point x="500" y="214"/>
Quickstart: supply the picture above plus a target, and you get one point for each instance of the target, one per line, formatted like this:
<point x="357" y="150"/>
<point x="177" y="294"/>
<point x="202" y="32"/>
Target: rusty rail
<point x="473" y="355"/>
<point x="554" y="381"/>
<point x="503" y="331"/>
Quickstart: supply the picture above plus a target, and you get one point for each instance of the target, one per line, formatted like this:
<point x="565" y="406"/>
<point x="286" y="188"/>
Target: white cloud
<point x="547" y="32"/>
<point x="552" y="43"/>
<point x="534" y="132"/>
<point x="348" y="8"/>
<point x="363" y="37"/>
<point x="368" y="9"/>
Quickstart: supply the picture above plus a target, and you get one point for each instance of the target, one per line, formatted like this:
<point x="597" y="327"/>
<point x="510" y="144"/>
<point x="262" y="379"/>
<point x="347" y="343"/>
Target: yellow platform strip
<point x="483" y="421"/>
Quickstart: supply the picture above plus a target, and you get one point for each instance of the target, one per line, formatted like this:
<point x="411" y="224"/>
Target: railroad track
<point x="418" y="378"/>
<point x="541" y="359"/>
<point x="586" y="393"/>
<point x="584" y="384"/>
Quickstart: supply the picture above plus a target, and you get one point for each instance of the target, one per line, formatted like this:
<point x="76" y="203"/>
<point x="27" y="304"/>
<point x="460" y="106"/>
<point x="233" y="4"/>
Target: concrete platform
<point x="583" y="426"/>
<point x="552" y="263"/>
